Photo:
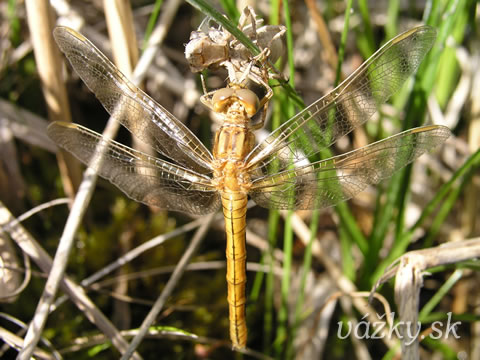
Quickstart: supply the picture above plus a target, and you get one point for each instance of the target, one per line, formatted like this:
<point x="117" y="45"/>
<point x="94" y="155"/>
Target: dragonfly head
<point x="235" y="99"/>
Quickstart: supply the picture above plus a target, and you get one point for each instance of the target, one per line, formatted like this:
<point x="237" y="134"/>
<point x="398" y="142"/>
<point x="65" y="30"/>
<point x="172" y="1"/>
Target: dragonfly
<point x="283" y="171"/>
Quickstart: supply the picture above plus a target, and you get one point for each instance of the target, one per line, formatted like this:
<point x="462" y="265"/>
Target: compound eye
<point x="220" y="99"/>
<point x="249" y="100"/>
<point x="222" y="94"/>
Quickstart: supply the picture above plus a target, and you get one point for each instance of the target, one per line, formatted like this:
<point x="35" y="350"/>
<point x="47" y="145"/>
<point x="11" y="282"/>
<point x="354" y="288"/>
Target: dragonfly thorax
<point x="233" y="142"/>
<point x="230" y="176"/>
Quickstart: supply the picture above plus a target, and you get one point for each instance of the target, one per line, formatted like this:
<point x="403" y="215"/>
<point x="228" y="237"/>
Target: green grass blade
<point x="231" y="9"/>
<point x="445" y="209"/>
<point x="366" y="40"/>
<point x="348" y="263"/>
<point x="440" y="347"/>
<point x="275" y="12"/>
<point x="14" y="22"/>
<point x="343" y="41"/>
<point x="391" y="27"/>
<point x="282" y="338"/>
<point x="273" y="222"/>
<point x="289" y="36"/>
<point x="348" y="222"/>
<point x="397" y="193"/>
<point x="152" y="20"/>
<point x="306" y="268"/>
<point x="282" y="319"/>
<point x="440" y="294"/>
<point x="403" y="241"/>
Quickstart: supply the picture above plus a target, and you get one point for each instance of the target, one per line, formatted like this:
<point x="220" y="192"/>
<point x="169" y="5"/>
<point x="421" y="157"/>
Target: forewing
<point x="349" y="105"/>
<point x="130" y="106"/>
<point x="143" y="178"/>
<point x="328" y="182"/>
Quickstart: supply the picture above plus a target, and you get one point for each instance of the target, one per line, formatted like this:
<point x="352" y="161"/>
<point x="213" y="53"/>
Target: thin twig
<point x="41" y="258"/>
<point x="23" y="328"/>
<point x="41" y="207"/>
<point x="26" y="259"/>
<point x="172" y="282"/>
<point x="132" y="254"/>
<point x="89" y="341"/>
<point x="196" y="266"/>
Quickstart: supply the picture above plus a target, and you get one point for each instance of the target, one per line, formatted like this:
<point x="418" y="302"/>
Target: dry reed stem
<point x="448" y="253"/>
<point x="472" y="192"/>
<point x="407" y="296"/>
<point x="119" y="17"/>
<point x="121" y="30"/>
<point x="47" y="57"/>
<point x="48" y="61"/>
<point x="330" y="52"/>
<point x="409" y="271"/>
<point x="169" y="10"/>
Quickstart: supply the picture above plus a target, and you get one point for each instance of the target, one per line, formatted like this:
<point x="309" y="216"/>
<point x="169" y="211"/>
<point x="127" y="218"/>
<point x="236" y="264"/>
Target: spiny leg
<point x="248" y="15"/>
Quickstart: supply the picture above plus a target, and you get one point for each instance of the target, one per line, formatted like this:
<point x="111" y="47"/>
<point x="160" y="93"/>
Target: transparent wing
<point x="328" y="182"/>
<point x="349" y="105"/>
<point x="143" y="178"/>
<point x="130" y="106"/>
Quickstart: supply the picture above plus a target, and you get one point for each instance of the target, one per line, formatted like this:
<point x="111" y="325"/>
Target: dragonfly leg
<point x="248" y="15"/>
<point x="246" y="73"/>
<point x="232" y="73"/>
<point x="206" y="98"/>
<point x="269" y="93"/>
<point x="263" y="103"/>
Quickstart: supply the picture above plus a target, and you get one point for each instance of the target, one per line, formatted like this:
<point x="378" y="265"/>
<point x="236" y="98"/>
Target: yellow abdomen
<point x="234" y="211"/>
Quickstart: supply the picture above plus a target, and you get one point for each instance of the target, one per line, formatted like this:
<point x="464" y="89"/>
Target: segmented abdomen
<point x="234" y="211"/>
